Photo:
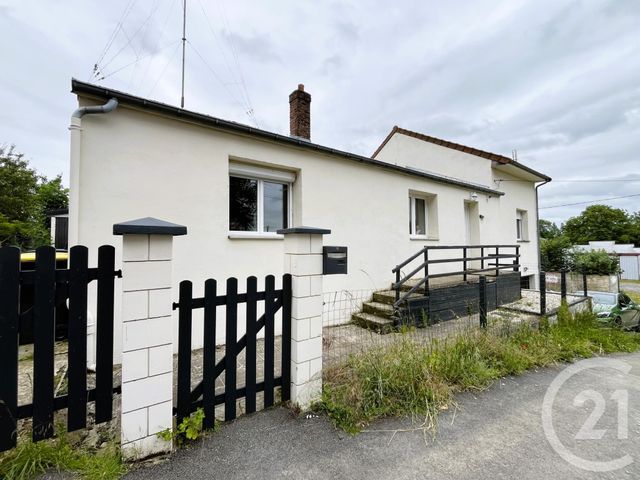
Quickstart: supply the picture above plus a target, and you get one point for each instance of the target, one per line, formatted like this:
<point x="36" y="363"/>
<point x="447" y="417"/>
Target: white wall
<point x="136" y="164"/>
<point x="407" y="151"/>
<point x="630" y="265"/>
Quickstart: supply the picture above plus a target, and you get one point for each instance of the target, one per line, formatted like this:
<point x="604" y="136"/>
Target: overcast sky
<point x="557" y="80"/>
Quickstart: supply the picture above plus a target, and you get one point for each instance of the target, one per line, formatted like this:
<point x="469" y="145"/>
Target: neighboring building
<point x="59" y="227"/>
<point x="234" y="186"/>
<point x="628" y="255"/>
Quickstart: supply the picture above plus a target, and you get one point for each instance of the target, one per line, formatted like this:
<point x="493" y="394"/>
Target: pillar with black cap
<point x="303" y="260"/>
<point x="147" y="334"/>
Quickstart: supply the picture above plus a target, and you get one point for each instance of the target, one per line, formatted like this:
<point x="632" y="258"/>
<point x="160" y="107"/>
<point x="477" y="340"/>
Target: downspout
<point x="75" y="165"/>
<point x="538" y="228"/>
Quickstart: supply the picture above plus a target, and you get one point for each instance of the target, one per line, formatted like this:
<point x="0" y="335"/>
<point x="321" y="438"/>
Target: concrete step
<point x="384" y="310"/>
<point x="373" y="322"/>
<point x="384" y="296"/>
<point x="442" y="282"/>
<point x="409" y="284"/>
<point x="389" y="296"/>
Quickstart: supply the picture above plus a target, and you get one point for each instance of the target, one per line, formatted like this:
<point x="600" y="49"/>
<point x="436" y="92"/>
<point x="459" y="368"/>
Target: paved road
<point x="495" y="434"/>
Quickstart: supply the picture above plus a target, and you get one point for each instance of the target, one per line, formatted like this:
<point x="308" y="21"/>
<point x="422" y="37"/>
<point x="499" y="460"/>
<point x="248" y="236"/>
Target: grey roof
<point x="88" y="89"/>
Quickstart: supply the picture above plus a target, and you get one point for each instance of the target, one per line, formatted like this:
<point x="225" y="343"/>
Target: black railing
<point x="464" y="259"/>
<point x="51" y="289"/>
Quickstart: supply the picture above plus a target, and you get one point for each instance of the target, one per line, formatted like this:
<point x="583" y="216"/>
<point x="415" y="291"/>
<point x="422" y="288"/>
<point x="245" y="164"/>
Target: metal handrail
<point x="409" y="292"/>
<point x="409" y="275"/>
<point x="469" y="259"/>
<point x="496" y="267"/>
<point x="453" y="247"/>
<point x="411" y="258"/>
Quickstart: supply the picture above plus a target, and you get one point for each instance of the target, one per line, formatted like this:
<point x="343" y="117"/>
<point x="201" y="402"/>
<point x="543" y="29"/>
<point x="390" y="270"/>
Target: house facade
<point x="234" y="186"/>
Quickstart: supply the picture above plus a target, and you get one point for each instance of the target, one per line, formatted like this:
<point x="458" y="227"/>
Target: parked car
<point x="615" y="308"/>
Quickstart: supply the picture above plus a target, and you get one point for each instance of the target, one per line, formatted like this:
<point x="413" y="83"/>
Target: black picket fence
<point x="203" y="395"/>
<point x="52" y="288"/>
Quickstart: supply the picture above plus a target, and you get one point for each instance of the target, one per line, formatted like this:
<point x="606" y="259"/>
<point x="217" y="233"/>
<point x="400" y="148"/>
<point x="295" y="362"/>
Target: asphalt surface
<point x="493" y="434"/>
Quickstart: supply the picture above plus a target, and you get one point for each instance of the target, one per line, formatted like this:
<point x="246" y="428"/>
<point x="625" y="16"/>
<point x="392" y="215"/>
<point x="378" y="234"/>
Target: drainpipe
<point x="74" y="167"/>
<point x="538" y="226"/>
<point x="74" y="211"/>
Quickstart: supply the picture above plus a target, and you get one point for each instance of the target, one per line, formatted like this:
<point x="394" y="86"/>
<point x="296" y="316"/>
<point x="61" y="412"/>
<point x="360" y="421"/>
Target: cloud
<point x="558" y="81"/>
<point x="257" y="46"/>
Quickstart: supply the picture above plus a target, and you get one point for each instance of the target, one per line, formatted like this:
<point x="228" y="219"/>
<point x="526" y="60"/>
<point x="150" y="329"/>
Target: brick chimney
<point x="300" y="113"/>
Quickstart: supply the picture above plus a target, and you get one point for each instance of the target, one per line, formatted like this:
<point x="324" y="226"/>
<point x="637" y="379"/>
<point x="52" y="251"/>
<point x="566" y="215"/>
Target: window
<point x="423" y="216"/>
<point x="417" y="216"/>
<point x="522" y="232"/>
<point x="259" y="199"/>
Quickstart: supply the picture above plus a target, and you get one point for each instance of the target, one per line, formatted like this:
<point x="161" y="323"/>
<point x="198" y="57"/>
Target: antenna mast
<point x="184" y="40"/>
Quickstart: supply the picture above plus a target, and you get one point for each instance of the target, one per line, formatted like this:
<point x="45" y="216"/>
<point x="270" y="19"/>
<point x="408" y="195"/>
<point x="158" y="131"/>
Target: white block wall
<point x="147" y="344"/>
<point x="303" y="260"/>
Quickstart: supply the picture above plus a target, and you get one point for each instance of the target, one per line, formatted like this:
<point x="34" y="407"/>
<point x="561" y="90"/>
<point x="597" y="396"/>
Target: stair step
<point x="373" y="322"/>
<point x="380" y="309"/>
<point x="409" y="284"/>
<point x="389" y="296"/>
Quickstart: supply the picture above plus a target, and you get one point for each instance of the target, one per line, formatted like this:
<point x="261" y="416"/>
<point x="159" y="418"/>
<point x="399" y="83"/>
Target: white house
<point x="234" y="186"/>
<point x="628" y="255"/>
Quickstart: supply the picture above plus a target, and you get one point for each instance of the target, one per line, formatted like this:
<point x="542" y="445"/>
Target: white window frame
<point x="521" y="225"/>
<point x="412" y="218"/>
<point x="260" y="175"/>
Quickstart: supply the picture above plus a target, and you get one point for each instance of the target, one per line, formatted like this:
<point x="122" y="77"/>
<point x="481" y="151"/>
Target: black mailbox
<point x="334" y="260"/>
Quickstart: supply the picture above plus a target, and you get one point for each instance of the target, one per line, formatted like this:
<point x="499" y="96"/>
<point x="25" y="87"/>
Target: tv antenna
<point x="184" y="41"/>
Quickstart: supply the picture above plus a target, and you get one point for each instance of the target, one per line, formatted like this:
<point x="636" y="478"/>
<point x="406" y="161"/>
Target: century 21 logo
<point x="588" y="430"/>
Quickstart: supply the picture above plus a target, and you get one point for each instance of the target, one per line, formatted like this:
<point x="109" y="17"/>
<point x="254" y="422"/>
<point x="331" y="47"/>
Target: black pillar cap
<point x="149" y="226"/>
<point x="307" y="230"/>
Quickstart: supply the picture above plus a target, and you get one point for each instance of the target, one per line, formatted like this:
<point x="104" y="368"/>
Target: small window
<point x="522" y="233"/>
<point x="418" y="216"/>
<point x="260" y="205"/>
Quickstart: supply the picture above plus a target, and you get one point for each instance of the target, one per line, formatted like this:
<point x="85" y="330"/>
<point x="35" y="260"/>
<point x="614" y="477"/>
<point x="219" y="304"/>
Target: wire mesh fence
<point x="339" y="306"/>
<point x="343" y="338"/>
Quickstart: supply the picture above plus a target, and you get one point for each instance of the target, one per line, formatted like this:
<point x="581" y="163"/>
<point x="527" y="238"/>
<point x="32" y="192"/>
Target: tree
<point x="25" y="197"/>
<point x="554" y="253"/>
<point x="599" y="222"/>
<point x="548" y="229"/>
<point x="635" y="228"/>
<point x="595" y="262"/>
<point x="52" y="195"/>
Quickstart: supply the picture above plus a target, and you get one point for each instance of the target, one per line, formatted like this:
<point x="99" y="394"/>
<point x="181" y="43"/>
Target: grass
<point x="29" y="460"/>
<point x="635" y="296"/>
<point x="405" y="379"/>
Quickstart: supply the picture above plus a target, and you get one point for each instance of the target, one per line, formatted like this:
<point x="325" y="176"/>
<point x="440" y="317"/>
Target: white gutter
<point x="74" y="165"/>
<point x="538" y="225"/>
<point x="74" y="200"/>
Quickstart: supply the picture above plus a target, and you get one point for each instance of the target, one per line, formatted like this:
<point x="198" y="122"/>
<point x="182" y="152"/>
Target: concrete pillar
<point x="303" y="260"/>
<point x="147" y="335"/>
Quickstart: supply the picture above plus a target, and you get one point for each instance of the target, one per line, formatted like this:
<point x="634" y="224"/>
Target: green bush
<point x="554" y="254"/>
<point x="595" y="262"/>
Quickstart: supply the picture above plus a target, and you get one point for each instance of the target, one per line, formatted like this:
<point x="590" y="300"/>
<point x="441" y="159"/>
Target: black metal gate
<point x="51" y="289"/>
<point x="204" y="394"/>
